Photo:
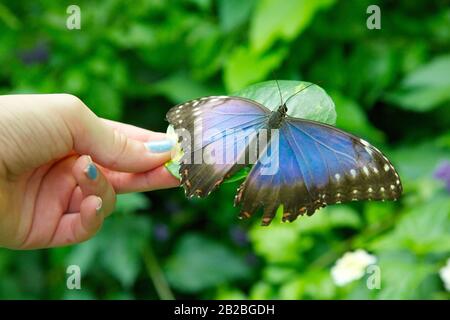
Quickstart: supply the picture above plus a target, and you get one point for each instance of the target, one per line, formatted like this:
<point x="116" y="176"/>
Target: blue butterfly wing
<point x="318" y="165"/>
<point x="207" y="124"/>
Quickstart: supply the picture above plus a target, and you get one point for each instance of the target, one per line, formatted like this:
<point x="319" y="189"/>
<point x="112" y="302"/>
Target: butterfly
<point x="301" y="164"/>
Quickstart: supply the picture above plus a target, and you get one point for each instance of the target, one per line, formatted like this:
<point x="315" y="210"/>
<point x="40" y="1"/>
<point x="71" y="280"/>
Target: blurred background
<point x="132" y="61"/>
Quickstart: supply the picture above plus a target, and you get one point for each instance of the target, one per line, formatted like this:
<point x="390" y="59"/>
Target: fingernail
<point x="91" y="171"/>
<point x="99" y="205"/>
<point x="160" y="146"/>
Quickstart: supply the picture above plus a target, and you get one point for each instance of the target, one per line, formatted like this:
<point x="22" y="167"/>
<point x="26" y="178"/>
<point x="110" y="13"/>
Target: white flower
<point x="445" y="275"/>
<point x="351" y="266"/>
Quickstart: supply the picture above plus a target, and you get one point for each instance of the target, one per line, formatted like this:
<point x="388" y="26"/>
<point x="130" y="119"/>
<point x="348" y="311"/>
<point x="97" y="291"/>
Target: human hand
<point x="61" y="167"/>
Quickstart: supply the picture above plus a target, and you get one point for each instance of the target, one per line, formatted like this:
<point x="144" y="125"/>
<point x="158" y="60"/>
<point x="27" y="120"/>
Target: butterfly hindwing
<point x="209" y="122"/>
<point x="318" y="165"/>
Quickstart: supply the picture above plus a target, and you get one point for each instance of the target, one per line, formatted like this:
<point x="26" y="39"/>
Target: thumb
<point x="112" y="148"/>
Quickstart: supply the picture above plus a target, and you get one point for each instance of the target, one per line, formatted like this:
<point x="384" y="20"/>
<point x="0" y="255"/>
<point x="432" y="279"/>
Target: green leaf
<point x="174" y="168"/>
<point x="401" y="275"/>
<point x="208" y="49"/>
<point x="199" y="263"/>
<point x="293" y="237"/>
<point x="233" y="13"/>
<point x="137" y="35"/>
<point x="241" y="174"/>
<point x="312" y="103"/>
<point x="245" y="66"/>
<point x="275" y="20"/>
<point x="181" y="87"/>
<point x="434" y="73"/>
<point x="131" y="202"/>
<point x="117" y="248"/>
<point x="122" y="242"/>
<point x="425" y="88"/>
<point x="318" y="285"/>
<point x="262" y="291"/>
<point x="9" y="18"/>
<point x="78" y="295"/>
<point x="292" y="289"/>
<point x="84" y="255"/>
<point x="420" y="99"/>
<point x="423" y="229"/>
<point x="377" y="212"/>
<point x="276" y="274"/>
<point x="418" y="160"/>
<point x="229" y="294"/>
<point x="341" y="216"/>
<point x="353" y="118"/>
<point x="267" y="241"/>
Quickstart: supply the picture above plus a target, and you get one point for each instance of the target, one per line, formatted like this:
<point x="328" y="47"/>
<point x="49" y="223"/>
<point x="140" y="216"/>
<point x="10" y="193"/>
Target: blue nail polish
<point x="160" y="146"/>
<point x="91" y="171"/>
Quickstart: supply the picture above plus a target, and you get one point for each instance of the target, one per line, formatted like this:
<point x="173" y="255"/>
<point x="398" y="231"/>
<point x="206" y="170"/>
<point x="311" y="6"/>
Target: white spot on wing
<point x="366" y="170"/>
<point x="364" y="142"/>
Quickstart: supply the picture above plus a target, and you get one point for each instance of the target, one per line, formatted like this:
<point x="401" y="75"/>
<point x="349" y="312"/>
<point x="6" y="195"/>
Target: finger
<point x="92" y="181"/>
<point x="75" y="200"/>
<point x="111" y="147"/>
<point x="79" y="227"/>
<point x="98" y="200"/>
<point x="158" y="178"/>
<point x="55" y="190"/>
<point x="134" y="132"/>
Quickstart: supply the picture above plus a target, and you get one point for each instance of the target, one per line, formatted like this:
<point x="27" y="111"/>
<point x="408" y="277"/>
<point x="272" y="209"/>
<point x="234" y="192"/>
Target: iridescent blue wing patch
<point x="317" y="165"/>
<point x="220" y="127"/>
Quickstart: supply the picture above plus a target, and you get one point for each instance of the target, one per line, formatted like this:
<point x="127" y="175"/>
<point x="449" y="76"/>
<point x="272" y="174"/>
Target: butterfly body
<point x="303" y="165"/>
<point x="277" y="117"/>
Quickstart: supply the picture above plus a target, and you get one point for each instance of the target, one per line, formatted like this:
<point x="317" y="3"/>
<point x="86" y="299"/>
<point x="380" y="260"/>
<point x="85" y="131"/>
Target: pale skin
<point x="47" y="142"/>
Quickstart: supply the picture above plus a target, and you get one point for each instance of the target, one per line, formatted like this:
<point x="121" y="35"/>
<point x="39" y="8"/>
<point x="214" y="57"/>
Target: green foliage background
<point x="132" y="61"/>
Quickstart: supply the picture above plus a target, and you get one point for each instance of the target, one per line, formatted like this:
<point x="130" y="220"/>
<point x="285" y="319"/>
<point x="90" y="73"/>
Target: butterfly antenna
<point x="279" y="91"/>
<point x="309" y="85"/>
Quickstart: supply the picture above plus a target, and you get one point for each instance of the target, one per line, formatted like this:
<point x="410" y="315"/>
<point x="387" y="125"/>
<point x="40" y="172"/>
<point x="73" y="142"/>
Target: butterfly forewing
<point x="219" y="126"/>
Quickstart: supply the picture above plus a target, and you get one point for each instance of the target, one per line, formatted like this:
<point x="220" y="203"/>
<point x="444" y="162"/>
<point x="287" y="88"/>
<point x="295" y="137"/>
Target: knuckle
<point x="71" y="105"/>
<point x="120" y="145"/>
<point x="71" y="101"/>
